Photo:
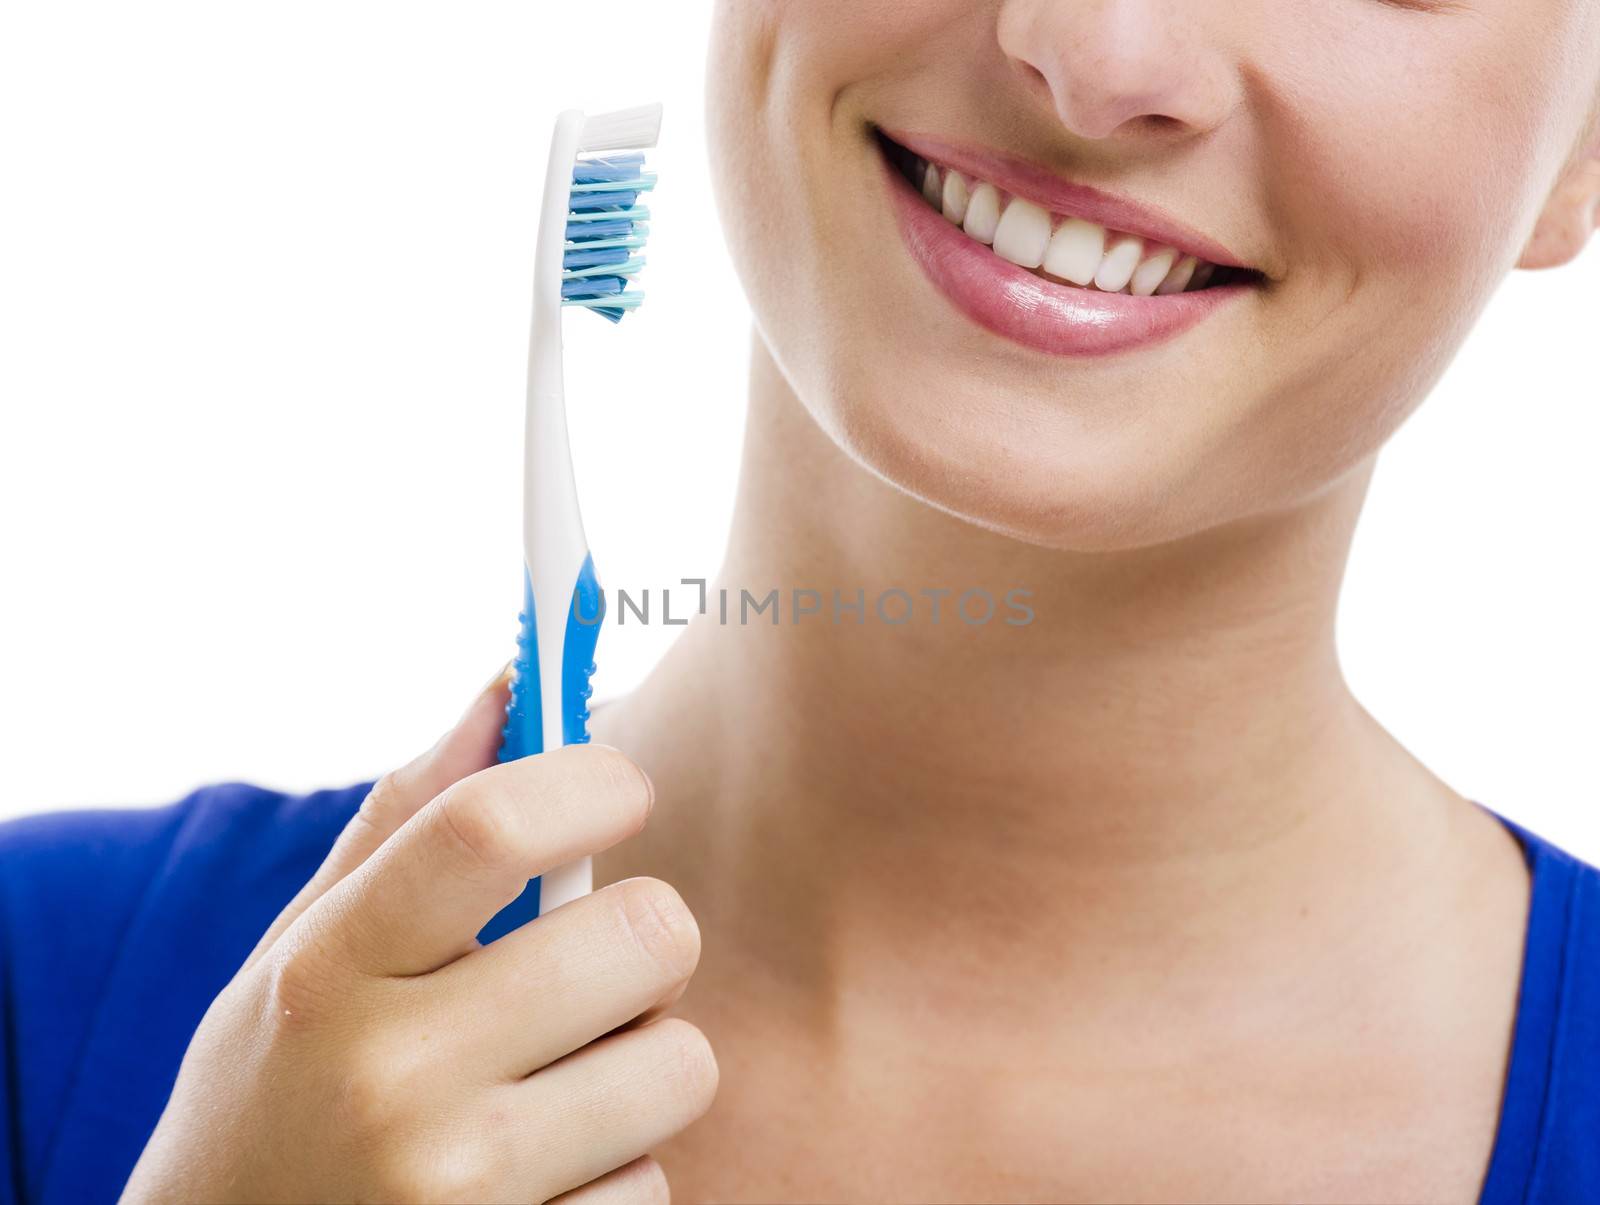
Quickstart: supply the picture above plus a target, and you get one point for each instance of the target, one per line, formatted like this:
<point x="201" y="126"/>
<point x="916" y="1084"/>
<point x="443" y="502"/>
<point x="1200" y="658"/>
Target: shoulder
<point x="1553" y="1088"/>
<point x="117" y="928"/>
<point x="1572" y="1152"/>
<point x="71" y="875"/>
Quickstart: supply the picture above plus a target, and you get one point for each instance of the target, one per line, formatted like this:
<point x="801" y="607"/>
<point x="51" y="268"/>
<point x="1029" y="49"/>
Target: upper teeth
<point x="1068" y="249"/>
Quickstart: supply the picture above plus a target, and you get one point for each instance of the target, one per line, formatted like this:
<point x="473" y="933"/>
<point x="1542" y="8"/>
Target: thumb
<point x="472" y="745"/>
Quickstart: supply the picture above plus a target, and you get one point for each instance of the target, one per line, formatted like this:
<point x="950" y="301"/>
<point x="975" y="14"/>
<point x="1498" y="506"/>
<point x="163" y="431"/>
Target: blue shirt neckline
<point x="1536" y="1042"/>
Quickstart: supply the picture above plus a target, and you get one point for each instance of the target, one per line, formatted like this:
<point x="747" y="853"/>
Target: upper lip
<point x="1044" y="188"/>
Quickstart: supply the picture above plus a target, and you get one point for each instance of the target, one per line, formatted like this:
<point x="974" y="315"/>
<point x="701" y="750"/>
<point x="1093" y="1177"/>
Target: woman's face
<point x="1368" y="170"/>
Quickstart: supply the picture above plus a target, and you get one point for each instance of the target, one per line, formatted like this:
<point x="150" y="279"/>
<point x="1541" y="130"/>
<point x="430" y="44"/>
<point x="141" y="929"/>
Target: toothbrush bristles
<point x="606" y="226"/>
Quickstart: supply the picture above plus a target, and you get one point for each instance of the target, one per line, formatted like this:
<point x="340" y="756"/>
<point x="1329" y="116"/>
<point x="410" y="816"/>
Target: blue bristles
<point x="610" y="228"/>
<point x="599" y="286"/>
<point x="609" y="169"/>
<point x="602" y="202"/>
<point x="605" y="226"/>
<point x="575" y="258"/>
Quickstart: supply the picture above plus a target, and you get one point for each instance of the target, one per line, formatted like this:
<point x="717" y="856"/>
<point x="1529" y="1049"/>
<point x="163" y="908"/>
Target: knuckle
<point x="380" y="1085"/>
<point x="389" y="803"/>
<point x="438" y="1171"/>
<point x="380" y="801"/>
<point x="300" y="988"/>
<point x="660" y="924"/>
<point x="366" y="1104"/>
<point x="483" y="828"/>
<point x="462" y="1174"/>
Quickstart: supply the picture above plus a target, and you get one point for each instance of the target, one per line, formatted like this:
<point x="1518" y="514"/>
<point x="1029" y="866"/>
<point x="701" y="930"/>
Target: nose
<point x="1122" y="67"/>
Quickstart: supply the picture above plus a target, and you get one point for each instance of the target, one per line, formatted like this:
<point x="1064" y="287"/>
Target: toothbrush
<point x="591" y="229"/>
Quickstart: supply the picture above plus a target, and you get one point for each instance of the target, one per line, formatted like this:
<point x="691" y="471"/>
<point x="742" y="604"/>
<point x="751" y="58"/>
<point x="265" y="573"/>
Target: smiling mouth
<point x="1055" y="266"/>
<point x="1061" y="248"/>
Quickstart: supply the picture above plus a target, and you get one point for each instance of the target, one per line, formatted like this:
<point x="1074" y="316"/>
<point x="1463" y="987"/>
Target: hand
<point x="370" y="1049"/>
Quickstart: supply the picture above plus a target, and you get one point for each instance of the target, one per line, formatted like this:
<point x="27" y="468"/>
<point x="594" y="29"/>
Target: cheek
<point x="847" y="40"/>
<point x="829" y="43"/>
<point x="792" y="176"/>
<point x="1406" y="164"/>
<point x="1414" y="151"/>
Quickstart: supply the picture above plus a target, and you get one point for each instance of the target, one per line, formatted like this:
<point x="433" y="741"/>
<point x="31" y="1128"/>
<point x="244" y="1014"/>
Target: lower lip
<point x="1012" y="302"/>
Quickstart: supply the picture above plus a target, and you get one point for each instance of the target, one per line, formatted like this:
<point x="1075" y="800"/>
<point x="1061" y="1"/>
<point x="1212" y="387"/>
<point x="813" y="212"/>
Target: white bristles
<point x="626" y="129"/>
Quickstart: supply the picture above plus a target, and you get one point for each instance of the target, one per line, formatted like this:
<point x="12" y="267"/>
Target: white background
<point x="264" y="276"/>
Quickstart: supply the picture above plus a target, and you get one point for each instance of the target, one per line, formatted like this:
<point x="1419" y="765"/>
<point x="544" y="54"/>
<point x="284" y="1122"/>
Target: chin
<point x="1032" y="473"/>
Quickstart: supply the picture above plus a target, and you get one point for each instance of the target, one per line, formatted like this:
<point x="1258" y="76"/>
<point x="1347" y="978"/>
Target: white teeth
<point x="1076" y="251"/>
<point x="1023" y="234"/>
<point x="983" y="213"/>
<point x="1178" y="279"/>
<point x="1147" y="277"/>
<point x="955" y="197"/>
<point x="1116" y="269"/>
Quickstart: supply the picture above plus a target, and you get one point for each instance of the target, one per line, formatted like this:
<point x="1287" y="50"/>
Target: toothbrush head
<point x="606" y="224"/>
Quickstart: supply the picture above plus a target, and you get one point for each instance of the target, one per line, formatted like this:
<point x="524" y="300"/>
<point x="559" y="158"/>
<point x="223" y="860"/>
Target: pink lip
<point x="1014" y="303"/>
<point x="1045" y="189"/>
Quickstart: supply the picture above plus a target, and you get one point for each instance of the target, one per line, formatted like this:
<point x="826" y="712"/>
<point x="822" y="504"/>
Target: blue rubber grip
<point x="523" y="734"/>
<point x="524" y="731"/>
<point x="584" y="616"/>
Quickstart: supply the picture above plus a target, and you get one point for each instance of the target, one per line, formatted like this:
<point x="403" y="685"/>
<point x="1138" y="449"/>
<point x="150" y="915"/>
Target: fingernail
<point x="500" y="678"/>
<point x="488" y="691"/>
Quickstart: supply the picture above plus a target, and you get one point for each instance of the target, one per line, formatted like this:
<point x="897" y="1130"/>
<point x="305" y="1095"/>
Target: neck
<point x="1170" y="716"/>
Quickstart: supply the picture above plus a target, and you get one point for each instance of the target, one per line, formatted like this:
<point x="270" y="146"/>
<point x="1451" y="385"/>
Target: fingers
<point x="604" y="1106"/>
<point x="418" y="902"/>
<point x="641" y="1182"/>
<point x="588" y="968"/>
<point x="470" y="746"/>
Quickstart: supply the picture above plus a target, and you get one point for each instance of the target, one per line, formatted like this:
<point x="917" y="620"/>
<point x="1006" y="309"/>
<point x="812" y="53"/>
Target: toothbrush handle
<point x="559" y="674"/>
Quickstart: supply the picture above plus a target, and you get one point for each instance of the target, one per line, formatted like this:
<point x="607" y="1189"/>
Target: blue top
<point x="112" y="945"/>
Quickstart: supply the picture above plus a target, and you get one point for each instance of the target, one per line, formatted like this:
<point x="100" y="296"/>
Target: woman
<point x="1128" y="902"/>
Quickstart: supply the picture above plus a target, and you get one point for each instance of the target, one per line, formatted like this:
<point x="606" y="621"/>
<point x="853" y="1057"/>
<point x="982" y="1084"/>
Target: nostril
<point x="1034" y="78"/>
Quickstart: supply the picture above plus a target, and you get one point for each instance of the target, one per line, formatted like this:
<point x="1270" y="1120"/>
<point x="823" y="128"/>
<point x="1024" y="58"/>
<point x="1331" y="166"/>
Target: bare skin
<point x="371" y="1050"/>
<point x="1133" y="904"/>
